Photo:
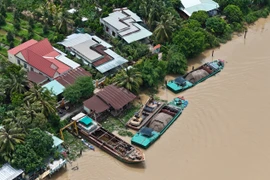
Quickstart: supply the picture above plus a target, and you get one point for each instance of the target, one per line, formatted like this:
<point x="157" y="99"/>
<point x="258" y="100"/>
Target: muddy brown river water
<point x="224" y="133"/>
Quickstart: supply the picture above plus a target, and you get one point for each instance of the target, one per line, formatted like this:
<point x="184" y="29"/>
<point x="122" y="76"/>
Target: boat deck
<point x="146" y="117"/>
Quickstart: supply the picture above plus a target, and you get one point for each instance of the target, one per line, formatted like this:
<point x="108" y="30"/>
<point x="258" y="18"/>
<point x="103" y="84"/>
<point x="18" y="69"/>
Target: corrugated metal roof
<point x="198" y="5"/>
<point x="141" y="34"/>
<point x="117" y="61"/>
<point x="67" y="61"/>
<point x="125" y="22"/>
<point x="55" y="87"/>
<point x="116" y="97"/>
<point x="56" y="141"/>
<point x="7" y="172"/>
<point x="35" y="77"/>
<point x="75" y="39"/>
<point x="70" y="77"/>
<point x="96" y="104"/>
<point x="189" y="3"/>
<point x="113" y="20"/>
<point x="84" y="49"/>
<point x="102" y="42"/>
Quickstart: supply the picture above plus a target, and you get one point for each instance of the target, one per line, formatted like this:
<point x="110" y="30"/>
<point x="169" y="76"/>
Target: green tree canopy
<point x="40" y="142"/>
<point x="82" y="88"/>
<point x="86" y="86"/>
<point x="130" y="79"/>
<point x="25" y="158"/>
<point x="9" y="138"/>
<point x="2" y="20"/>
<point x="152" y="70"/>
<point x="191" y="43"/>
<point x="200" y="16"/>
<point x="177" y="62"/>
<point x="165" y="28"/>
<point x="42" y="97"/>
<point x="233" y="13"/>
<point x="216" y="25"/>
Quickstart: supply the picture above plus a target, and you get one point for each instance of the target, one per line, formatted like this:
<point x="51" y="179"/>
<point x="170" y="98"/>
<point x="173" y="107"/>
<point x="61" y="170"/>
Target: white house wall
<point x="20" y="56"/>
<point x="12" y="58"/>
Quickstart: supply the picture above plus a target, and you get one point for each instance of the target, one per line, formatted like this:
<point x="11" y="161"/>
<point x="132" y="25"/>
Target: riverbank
<point x="223" y="134"/>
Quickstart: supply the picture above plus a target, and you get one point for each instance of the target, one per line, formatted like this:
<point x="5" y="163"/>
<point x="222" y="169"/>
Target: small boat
<point x="91" y="131"/>
<point x="195" y="76"/>
<point x="179" y="102"/>
<point x="146" y="112"/>
<point x="88" y="145"/>
<point x="158" y="124"/>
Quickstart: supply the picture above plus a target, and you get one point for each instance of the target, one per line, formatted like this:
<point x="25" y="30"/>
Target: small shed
<point x="111" y="99"/>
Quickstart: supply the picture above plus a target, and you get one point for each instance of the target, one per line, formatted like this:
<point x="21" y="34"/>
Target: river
<point x="223" y="134"/>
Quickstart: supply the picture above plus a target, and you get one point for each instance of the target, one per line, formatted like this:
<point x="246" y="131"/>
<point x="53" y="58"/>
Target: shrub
<point x="250" y="18"/>
<point x="233" y="13"/>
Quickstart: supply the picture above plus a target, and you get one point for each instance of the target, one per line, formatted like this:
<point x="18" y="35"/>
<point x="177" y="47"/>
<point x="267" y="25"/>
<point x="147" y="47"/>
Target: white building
<point x="190" y="6"/>
<point x="94" y="52"/>
<point x="124" y="23"/>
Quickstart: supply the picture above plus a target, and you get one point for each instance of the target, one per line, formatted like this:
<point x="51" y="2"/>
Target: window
<point x="113" y="33"/>
<point x="107" y="29"/>
<point x="25" y="65"/>
<point x="18" y="62"/>
<point x="32" y="69"/>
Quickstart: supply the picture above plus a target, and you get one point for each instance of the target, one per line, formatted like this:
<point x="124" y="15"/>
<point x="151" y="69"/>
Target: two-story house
<point x="125" y="24"/>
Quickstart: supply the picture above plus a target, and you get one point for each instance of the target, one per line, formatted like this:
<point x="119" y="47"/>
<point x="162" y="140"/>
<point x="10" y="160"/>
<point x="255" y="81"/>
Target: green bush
<point x="250" y="18"/>
<point x="238" y="27"/>
<point x="125" y="133"/>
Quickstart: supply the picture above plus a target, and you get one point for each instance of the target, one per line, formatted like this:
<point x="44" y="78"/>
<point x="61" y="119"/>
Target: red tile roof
<point x="115" y="97"/>
<point x="22" y="46"/>
<point x="41" y="64"/>
<point x="42" y="48"/>
<point x="61" y="66"/>
<point x="41" y="55"/>
<point x="70" y="77"/>
<point x="96" y="104"/>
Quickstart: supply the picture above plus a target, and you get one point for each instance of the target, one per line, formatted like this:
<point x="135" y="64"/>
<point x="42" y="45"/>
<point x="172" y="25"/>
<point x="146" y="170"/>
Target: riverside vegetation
<point x="26" y="112"/>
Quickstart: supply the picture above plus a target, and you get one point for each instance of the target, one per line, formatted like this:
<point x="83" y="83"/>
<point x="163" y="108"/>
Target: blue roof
<point x="56" y="141"/>
<point x="55" y="87"/>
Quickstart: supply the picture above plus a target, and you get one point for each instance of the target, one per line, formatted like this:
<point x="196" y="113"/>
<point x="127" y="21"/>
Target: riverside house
<point x="125" y="24"/>
<point x="109" y="99"/>
<point x="94" y="52"/>
<point x="190" y="6"/>
<point x="46" y="65"/>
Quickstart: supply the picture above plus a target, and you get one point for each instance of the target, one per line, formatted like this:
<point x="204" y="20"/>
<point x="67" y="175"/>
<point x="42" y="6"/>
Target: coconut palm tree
<point x="9" y="137"/>
<point x="165" y="27"/>
<point x="130" y="79"/>
<point x="41" y="97"/>
<point x="15" y="82"/>
<point x="16" y="119"/>
<point x="33" y="113"/>
<point x="62" y="21"/>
